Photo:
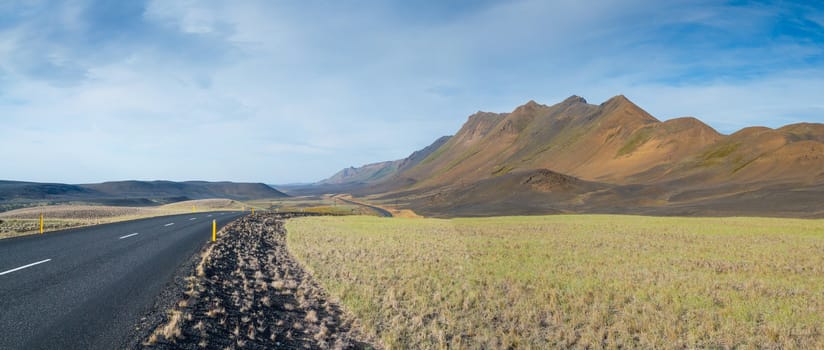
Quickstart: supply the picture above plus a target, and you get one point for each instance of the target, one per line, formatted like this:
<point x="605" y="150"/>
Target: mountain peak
<point x="531" y="104"/>
<point x="618" y="99"/>
<point x="528" y="107"/>
<point x="575" y="99"/>
<point x="481" y="117"/>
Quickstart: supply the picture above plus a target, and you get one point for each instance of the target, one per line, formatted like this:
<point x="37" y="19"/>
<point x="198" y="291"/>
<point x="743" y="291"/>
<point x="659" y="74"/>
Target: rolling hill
<point x="624" y="159"/>
<point x="375" y="172"/>
<point x="15" y="194"/>
<point x="188" y="189"/>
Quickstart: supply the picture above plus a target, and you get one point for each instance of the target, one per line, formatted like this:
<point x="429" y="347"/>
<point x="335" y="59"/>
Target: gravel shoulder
<point x="248" y="292"/>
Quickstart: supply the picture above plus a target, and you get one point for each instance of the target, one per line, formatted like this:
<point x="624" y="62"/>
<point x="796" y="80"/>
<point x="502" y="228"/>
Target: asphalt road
<point x="382" y="212"/>
<point x="85" y="288"/>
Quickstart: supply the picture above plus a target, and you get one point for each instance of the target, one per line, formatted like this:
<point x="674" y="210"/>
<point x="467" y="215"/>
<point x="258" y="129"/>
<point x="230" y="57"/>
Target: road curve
<point x="85" y="288"/>
<point x="379" y="210"/>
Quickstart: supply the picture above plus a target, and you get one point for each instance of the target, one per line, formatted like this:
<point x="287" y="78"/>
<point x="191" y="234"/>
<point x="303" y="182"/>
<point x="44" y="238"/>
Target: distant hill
<point x="17" y="193"/>
<point x="10" y="190"/>
<point x="188" y="189"/>
<point x="375" y="172"/>
<point x="364" y="174"/>
<point x="630" y="161"/>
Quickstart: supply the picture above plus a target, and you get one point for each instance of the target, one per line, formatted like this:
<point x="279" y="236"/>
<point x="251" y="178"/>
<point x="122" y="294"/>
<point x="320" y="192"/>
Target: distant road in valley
<point x="86" y="288"/>
<point x="379" y="210"/>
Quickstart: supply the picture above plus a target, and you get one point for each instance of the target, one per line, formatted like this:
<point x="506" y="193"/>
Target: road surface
<point x="382" y="212"/>
<point x="85" y="288"/>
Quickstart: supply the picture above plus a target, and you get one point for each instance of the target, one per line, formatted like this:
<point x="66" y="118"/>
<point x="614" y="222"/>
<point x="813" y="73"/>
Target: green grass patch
<point x="502" y="170"/>
<point x="637" y="139"/>
<point x="584" y="281"/>
<point x="715" y="154"/>
<point x="387" y="171"/>
<point x="434" y="155"/>
<point x="453" y="164"/>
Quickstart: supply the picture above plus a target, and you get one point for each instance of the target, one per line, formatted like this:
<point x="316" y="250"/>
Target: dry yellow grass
<point x="170" y="331"/>
<point x="325" y="204"/>
<point x="86" y="212"/>
<point x="56" y="217"/>
<point x="207" y="205"/>
<point x="291" y="203"/>
<point x="404" y="213"/>
<point x="584" y="281"/>
<point x="364" y="204"/>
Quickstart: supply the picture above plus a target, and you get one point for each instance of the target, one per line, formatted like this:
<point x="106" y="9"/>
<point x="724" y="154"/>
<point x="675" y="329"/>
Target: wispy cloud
<point x="284" y="92"/>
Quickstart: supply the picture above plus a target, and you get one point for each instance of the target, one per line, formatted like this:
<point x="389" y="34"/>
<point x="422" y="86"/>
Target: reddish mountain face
<point x="616" y="145"/>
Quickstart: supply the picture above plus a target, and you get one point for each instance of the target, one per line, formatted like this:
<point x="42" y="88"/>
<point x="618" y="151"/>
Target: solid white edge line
<point x="169" y="224"/>
<point x="127" y="236"/>
<point x="23" y="267"/>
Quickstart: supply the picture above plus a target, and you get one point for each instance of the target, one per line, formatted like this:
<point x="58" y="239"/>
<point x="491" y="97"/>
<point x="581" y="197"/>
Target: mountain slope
<point x="376" y="172"/>
<point x="610" y="142"/>
<point x="617" y="142"/>
<point x="20" y="190"/>
<point x="640" y="164"/>
<point x="792" y="154"/>
<point x="539" y="191"/>
<point x="363" y="174"/>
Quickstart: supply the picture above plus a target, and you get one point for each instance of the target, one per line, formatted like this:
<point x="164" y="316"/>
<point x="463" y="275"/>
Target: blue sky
<point x="292" y="91"/>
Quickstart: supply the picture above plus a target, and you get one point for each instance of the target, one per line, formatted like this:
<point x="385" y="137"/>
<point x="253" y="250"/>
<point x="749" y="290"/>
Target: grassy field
<point x="573" y="281"/>
<point x="314" y="204"/>
<point x="57" y="217"/>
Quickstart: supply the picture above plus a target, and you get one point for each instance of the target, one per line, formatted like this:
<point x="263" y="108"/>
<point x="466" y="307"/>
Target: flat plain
<point x="26" y="221"/>
<point x="581" y="281"/>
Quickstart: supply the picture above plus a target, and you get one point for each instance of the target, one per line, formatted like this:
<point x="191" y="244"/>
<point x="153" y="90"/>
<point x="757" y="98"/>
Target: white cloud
<point x="288" y="92"/>
<point x="188" y="16"/>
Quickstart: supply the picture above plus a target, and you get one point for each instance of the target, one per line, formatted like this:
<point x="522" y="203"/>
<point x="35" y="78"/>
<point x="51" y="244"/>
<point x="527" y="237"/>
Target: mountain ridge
<point x="617" y="144"/>
<point x="374" y="172"/>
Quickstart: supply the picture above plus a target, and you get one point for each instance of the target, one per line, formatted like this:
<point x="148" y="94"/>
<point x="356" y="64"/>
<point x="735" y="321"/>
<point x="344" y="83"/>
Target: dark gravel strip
<point x="248" y="292"/>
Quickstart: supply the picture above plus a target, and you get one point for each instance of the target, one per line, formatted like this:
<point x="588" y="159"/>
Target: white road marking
<point x="127" y="236"/>
<point x="192" y="219"/>
<point x="169" y="224"/>
<point x="208" y="216"/>
<point x="23" y="267"/>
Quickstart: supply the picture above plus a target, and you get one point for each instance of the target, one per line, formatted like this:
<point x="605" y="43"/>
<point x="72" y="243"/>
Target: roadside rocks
<point x="248" y="292"/>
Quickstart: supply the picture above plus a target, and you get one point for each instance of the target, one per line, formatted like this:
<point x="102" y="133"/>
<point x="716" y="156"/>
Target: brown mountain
<point x="622" y="158"/>
<point x="613" y="142"/>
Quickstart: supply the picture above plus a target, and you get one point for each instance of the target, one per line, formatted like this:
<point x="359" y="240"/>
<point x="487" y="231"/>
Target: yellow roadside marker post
<point x="214" y="230"/>
<point x="253" y="211"/>
<point x="193" y="208"/>
<point x="41" y="223"/>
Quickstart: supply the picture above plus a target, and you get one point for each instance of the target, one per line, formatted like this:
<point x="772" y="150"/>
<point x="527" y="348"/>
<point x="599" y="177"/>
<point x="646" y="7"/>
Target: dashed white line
<point x="127" y="236"/>
<point x="208" y="216"/>
<point x="192" y="219"/>
<point x="25" y="266"/>
<point x="169" y="224"/>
